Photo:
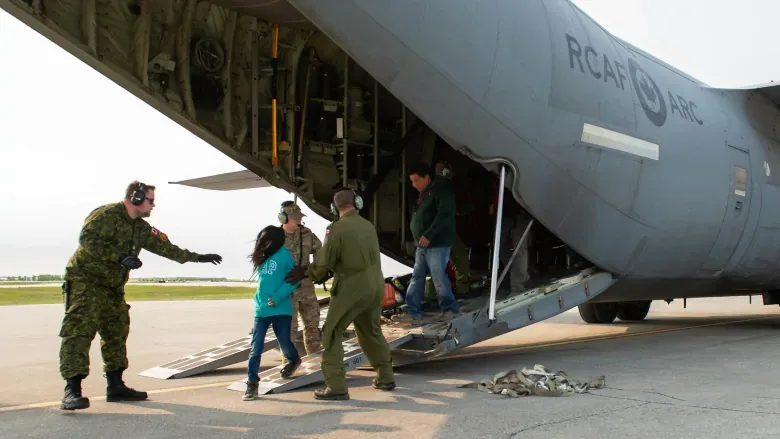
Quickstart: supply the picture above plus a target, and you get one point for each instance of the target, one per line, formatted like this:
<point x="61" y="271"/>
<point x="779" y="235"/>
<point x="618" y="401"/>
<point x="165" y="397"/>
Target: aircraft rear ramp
<point x="225" y="354"/>
<point x="433" y="337"/>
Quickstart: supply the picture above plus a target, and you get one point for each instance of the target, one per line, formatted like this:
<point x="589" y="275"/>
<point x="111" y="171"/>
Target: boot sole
<point x="74" y="407"/>
<point x="332" y="397"/>
<point x="385" y="387"/>
<point x="125" y="398"/>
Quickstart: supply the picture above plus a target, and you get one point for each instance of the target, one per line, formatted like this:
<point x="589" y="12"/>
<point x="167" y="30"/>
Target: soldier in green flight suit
<point x="109" y="243"/>
<point x="351" y="253"/>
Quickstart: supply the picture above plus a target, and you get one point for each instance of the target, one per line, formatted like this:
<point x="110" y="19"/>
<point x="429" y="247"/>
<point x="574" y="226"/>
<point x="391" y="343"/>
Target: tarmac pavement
<point x="703" y="372"/>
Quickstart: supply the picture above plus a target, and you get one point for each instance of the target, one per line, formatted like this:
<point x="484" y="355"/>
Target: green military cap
<point x="293" y="211"/>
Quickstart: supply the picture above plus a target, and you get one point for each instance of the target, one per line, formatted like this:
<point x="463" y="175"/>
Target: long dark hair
<point x="268" y="242"/>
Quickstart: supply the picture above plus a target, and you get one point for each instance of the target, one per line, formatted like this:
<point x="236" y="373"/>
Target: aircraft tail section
<point x="763" y="107"/>
<point x="770" y="90"/>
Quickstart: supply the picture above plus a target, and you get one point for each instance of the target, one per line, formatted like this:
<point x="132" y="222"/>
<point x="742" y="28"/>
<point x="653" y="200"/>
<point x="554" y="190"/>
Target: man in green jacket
<point x="109" y="243"/>
<point x="433" y="229"/>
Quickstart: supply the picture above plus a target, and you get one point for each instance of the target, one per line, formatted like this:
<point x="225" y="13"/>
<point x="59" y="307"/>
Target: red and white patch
<point x="154" y="231"/>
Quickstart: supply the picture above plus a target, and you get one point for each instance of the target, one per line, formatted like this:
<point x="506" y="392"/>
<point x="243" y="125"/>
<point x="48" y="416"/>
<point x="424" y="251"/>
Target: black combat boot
<point x="73" y="399"/>
<point x="117" y="391"/>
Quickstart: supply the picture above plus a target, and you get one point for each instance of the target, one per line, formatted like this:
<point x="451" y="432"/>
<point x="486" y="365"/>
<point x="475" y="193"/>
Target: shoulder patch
<point x="155" y="232"/>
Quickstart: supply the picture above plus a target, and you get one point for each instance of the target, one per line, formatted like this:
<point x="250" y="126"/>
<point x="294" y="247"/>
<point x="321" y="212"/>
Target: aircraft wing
<point x="230" y="181"/>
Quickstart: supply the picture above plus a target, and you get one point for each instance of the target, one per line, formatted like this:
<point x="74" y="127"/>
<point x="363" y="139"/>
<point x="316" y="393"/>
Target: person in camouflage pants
<point x="109" y="243"/>
<point x="302" y="242"/>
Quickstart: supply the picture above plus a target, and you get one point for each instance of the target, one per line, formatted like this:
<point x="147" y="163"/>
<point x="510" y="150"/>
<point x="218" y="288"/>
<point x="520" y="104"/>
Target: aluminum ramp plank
<point x="310" y="372"/>
<point x="226" y="354"/>
<point x="232" y="352"/>
<point x="523" y="310"/>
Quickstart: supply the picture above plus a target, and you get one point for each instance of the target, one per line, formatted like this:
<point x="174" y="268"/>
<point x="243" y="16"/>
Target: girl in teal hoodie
<point x="273" y="305"/>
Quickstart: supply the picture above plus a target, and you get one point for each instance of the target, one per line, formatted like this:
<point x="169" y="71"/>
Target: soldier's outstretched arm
<point x="157" y="242"/>
<point x="326" y="257"/>
<point x="96" y="237"/>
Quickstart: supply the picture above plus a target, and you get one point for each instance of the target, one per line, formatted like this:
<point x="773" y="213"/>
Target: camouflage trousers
<point x="306" y="305"/>
<point x="91" y="309"/>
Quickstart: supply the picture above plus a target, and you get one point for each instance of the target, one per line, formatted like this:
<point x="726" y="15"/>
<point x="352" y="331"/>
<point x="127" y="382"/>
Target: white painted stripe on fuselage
<point x="619" y="141"/>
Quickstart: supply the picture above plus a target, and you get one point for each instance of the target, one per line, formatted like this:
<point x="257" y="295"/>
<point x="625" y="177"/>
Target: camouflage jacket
<point x="302" y="243"/>
<point x="108" y="234"/>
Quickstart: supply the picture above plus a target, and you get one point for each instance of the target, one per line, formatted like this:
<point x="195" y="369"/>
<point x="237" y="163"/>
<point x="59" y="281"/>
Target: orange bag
<point x="388" y="299"/>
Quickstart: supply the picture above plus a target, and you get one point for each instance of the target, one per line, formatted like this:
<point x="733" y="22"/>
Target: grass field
<point x="133" y="293"/>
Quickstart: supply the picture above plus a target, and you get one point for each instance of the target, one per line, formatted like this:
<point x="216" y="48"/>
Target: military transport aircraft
<point x="667" y="187"/>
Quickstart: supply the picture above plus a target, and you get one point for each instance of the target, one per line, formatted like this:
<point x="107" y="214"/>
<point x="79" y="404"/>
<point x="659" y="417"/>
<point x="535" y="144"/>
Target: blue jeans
<point x="281" y="326"/>
<point x="431" y="260"/>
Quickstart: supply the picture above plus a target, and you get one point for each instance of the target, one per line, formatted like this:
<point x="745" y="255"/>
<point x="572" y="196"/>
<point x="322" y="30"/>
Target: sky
<point x="61" y="122"/>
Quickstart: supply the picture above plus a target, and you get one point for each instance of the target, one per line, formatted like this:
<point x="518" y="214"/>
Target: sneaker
<point x="251" y="390"/>
<point x="449" y="314"/>
<point x="289" y="369"/>
<point x="405" y="318"/>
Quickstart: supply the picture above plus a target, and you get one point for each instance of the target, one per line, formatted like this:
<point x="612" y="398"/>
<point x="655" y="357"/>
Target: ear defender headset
<point x="282" y="216"/>
<point x="445" y="171"/>
<point x="357" y="201"/>
<point x="139" y="195"/>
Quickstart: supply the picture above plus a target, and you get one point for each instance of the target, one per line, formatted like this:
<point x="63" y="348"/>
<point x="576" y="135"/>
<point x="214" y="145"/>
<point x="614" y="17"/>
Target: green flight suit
<point x="94" y="286"/>
<point x="351" y="252"/>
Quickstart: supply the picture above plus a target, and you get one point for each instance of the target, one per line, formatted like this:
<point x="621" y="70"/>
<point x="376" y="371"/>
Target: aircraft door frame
<point x="737" y="209"/>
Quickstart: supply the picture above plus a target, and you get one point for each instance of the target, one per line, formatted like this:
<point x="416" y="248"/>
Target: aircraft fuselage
<point x="667" y="183"/>
<point x="646" y="172"/>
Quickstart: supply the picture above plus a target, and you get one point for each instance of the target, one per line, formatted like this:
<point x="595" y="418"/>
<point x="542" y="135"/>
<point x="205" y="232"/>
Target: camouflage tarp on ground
<point x="539" y="381"/>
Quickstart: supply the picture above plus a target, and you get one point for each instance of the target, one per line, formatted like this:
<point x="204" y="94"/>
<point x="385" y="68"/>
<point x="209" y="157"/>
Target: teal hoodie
<point x="271" y="284"/>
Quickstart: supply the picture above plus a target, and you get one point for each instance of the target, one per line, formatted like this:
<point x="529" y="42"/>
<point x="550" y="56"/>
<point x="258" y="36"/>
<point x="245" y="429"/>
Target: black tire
<point x="633" y="311"/>
<point x="598" y="312"/>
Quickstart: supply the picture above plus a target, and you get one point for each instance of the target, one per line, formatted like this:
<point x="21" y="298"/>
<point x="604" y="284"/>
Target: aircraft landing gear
<point x="607" y="312"/>
<point x="598" y="312"/>
<point x="633" y="311"/>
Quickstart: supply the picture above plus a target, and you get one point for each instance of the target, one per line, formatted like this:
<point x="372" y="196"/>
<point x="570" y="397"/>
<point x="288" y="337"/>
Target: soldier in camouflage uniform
<point x="109" y="243"/>
<point x="351" y="252"/>
<point x="302" y="242"/>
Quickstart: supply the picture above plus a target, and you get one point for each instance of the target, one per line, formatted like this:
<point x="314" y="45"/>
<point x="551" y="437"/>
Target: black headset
<point x="282" y="216"/>
<point x="357" y="201"/>
<point x="139" y="195"/>
<point x="445" y="170"/>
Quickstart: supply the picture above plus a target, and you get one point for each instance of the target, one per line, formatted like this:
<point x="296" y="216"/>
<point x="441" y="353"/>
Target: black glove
<point x="328" y="276"/>
<point x="295" y="275"/>
<point x="130" y="262"/>
<point x="214" y="259"/>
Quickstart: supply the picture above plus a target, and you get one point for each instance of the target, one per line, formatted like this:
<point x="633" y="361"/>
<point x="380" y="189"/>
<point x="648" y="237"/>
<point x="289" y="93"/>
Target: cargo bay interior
<point x="372" y="154"/>
<point x="279" y="95"/>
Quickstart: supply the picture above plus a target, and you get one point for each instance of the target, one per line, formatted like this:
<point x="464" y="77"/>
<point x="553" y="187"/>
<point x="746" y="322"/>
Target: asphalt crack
<point x="641" y="391"/>
<point x="575" y="418"/>
<point x="723" y="409"/>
